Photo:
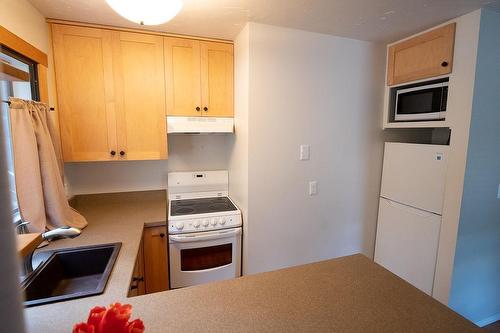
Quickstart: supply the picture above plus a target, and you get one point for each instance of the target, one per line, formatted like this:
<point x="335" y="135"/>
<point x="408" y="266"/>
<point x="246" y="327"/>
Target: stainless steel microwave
<point x="425" y="102"/>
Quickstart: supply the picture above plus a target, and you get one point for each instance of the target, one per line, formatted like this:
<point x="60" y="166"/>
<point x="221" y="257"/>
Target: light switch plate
<point x="313" y="187"/>
<point x="304" y="152"/>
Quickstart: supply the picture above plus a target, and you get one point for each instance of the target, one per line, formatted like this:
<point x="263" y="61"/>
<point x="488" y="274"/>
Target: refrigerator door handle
<point x="410" y="209"/>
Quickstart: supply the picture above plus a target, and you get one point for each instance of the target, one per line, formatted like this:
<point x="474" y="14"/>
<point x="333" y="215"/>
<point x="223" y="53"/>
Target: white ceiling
<point x="371" y="20"/>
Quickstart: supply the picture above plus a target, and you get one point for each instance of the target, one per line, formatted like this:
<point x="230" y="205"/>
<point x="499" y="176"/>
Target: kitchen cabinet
<point x="137" y="285"/>
<point x="140" y="96"/>
<point x="199" y="76"/>
<point x="217" y="79"/>
<point x="111" y="96"/>
<point x="85" y="93"/>
<point x="424" y="56"/>
<point x="182" y="68"/>
<point x="155" y="259"/>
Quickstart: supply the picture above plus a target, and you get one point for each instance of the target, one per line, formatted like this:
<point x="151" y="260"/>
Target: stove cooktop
<point x="201" y="206"/>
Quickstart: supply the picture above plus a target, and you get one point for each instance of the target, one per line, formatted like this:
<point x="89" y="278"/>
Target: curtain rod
<point x="8" y="102"/>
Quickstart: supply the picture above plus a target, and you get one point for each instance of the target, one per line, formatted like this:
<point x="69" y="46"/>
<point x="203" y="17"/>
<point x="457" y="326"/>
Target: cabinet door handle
<point x="113" y="153"/>
<point x="122" y="153"/>
<point x="198" y="109"/>
<point x="205" y="109"/>
<point x="138" y="279"/>
<point x="162" y="235"/>
<point x="135" y="286"/>
<point x="444" y="64"/>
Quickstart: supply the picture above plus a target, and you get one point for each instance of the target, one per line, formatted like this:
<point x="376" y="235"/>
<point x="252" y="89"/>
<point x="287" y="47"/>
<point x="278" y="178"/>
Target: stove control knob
<point x="179" y="225"/>
<point x="196" y="224"/>
<point x="205" y="223"/>
<point x="223" y="221"/>
<point x="214" y="222"/>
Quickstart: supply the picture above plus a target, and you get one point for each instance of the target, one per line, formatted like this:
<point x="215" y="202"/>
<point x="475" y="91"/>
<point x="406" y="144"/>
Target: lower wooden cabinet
<point x="137" y="286"/>
<point x="155" y="259"/>
<point x="151" y="266"/>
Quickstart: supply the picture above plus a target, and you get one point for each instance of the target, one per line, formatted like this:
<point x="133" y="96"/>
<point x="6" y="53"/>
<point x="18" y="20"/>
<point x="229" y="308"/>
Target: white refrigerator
<point x="410" y="208"/>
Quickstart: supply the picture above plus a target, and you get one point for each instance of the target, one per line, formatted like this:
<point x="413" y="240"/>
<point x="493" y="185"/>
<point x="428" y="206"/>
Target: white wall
<point x="475" y="291"/>
<point x="238" y="143"/>
<point x="24" y="20"/>
<point x="461" y="87"/>
<point x="325" y="91"/>
<point x="186" y="153"/>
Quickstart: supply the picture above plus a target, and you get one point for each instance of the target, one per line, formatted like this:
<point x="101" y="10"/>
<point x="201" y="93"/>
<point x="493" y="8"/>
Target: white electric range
<point x="204" y="227"/>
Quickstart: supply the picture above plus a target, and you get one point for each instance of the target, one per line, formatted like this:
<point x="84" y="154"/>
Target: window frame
<point x="33" y="70"/>
<point x="35" y="95"/>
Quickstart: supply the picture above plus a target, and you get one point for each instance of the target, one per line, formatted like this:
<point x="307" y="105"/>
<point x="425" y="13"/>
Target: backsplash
<point x="186" y="153"/>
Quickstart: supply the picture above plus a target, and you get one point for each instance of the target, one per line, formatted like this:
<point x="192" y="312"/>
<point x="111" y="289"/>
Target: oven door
<point x="422" y="103"/>
<point x="205" y="256"/>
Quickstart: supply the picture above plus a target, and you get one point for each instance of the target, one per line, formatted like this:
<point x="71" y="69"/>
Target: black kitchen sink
<point x="71" y="273"/>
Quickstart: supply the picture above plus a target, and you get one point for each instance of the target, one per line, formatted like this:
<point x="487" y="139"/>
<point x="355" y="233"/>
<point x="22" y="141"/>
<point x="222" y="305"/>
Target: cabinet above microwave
<point x="424" y="56"/>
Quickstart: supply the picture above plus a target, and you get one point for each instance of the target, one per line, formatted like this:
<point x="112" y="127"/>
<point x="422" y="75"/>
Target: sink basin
<point x="71" y="273"/>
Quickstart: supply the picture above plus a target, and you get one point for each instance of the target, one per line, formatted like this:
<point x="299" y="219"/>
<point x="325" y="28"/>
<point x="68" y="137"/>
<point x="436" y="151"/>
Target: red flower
<point x="95" y="317"/>
<point x="115" y="319"/>
<point x="135" y="326"/>
<point x="83" y="328"/>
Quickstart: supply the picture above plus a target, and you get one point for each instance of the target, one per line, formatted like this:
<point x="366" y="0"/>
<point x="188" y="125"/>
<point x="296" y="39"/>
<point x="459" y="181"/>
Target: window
<point x="25" y="89"/>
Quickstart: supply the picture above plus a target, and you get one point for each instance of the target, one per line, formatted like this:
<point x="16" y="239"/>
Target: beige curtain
<point x="39" y="184"/>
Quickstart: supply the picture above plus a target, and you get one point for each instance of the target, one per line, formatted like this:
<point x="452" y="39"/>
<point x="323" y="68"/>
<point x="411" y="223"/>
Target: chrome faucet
<point x="63" y="232"/>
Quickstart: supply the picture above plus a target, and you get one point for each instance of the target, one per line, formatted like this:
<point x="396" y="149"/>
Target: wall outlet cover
<point x="313" y="187"/>
<point x="304" y="152"/>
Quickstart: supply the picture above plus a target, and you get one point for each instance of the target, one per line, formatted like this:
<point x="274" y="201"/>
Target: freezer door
<point x="415" y="175"/>
<point x="407" y="243"/>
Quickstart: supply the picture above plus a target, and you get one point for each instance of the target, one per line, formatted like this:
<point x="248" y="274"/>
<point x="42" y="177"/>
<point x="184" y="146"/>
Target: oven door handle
<point x="201" y="237"/>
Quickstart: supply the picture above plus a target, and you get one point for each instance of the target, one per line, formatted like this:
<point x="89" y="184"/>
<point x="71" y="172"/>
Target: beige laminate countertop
<point x="348" y="294"/>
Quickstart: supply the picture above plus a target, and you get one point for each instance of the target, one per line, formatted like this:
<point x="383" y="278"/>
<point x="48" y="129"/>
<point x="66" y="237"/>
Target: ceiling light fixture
<point x="146" y="12"/>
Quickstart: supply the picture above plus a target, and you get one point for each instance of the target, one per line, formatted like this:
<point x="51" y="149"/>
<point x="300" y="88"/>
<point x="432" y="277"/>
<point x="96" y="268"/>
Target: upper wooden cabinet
<point x="111" y="94"/>
<point x="140" y="95"/>
<point x="199" y="78"/>
<point x="182" y="68"/>
<point x="116" y="87"/>
<point x="217" y="79"/>
<point x="84" y="79"/>
<point x="424" y="56"/>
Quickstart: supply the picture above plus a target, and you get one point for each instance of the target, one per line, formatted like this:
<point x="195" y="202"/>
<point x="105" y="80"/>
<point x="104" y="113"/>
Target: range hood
<point x="199" y="125"/>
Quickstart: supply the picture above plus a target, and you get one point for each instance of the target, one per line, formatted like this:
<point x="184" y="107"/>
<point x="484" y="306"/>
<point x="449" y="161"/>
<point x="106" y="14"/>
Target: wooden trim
<point x="19" y="45"/>
<point x="27" y="243"/>
<point x="142" y="31"/>
<point x="11" y="73"/>
<point x="390" y="66"/>
<point x="43" y="84"/>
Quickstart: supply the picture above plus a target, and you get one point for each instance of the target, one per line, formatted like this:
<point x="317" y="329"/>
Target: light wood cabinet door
<point x="155" y="259"/>
<point x="217" y="79"/>
<point x="182" y="74"/>
<point x="84" y="79"/>
<point x="423" y="56"/>
<point x="137" y="285"/>
<point x="140" y="96"/>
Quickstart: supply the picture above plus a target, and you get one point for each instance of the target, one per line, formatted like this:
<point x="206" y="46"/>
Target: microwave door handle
<point x="200" y="237"/>
<point x="425" y="87"/>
